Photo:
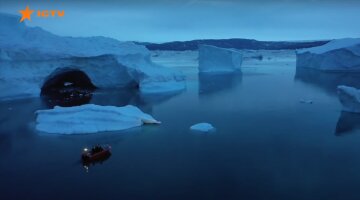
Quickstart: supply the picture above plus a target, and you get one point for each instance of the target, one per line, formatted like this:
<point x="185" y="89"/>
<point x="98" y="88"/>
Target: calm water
<point x="267" y="145"/>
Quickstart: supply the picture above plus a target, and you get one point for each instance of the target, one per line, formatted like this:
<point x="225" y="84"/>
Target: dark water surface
<point x="267" y="145"/>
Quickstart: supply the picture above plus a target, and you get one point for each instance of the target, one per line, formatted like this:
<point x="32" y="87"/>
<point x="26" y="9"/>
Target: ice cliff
<point x="90" y="118"/>
<point x="337" y="55"/>
<point x="218" y="60"/>
<point x="30" y="55"/>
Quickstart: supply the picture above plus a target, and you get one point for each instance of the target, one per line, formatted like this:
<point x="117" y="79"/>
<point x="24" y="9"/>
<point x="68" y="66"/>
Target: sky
<point x="180" y="20"/>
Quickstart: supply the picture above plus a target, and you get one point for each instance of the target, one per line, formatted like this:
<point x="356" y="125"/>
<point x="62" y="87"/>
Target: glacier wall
<point x="29" y="56"/>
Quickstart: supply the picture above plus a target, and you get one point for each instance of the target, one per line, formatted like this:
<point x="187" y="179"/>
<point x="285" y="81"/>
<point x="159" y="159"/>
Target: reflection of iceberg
<point x="91" y="118"/>
<point x="327" y="81"/>
<point x="213" y="83"/>
<point x="157" y="98"/>
<point x="51" y="101"/>
<point x="115" y="97"/>
<point x="347" y="123"/>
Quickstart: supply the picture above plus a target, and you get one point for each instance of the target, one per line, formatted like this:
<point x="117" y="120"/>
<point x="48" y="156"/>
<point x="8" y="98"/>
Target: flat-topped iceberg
<point x="90" y="118"/>
<point x="218" y="60"/>
<point x="349" y="98"/>
<point x="337" y="55"/>
<point x="30" y="56"/>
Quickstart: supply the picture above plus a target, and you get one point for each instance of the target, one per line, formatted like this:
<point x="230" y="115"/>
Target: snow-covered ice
<point x="203" y="127"/>
<point x="337" y="55"/>
<point x="218" y="60"/>
<point x="90" y="118"/>
<point x="332" y="45"/>
<point x="29" y="56"/>
<point x="349" y="98"/>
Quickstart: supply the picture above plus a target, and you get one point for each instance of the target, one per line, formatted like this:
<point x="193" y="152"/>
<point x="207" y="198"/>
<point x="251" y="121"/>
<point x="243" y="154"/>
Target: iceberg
<point x="90" y="118"/>
<point x="218" y="60"/>
<point x="203" y="127"/>
<point x="30" y="56"/>
<point x="337" y="55"/>
<point x="349" y="98"/>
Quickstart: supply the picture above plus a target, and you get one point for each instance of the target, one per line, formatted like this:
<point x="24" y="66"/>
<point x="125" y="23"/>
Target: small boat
<point x="96" y="154"/>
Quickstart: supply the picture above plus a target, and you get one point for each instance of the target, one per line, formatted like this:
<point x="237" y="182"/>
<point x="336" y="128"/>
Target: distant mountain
<point x="232" y="43"/>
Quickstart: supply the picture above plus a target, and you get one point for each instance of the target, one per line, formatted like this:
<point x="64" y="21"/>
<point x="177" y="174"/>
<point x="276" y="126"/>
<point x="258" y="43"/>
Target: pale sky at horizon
<point x="166" y="20"/>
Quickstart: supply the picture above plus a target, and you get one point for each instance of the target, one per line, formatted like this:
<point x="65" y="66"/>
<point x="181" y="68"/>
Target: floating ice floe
<point x="337" y="55"/>
<point x="203" y="127"/>
<point x="349" y="98"/>
<point x="29" y="56"/>
<point x="90" y="118"/>
<point x="68" y="84"/>
<point x="218" y="60"/>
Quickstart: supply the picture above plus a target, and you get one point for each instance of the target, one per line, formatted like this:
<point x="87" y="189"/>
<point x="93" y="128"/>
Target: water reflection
<point x="17" y="118"/>
<point x="328" y="81"/>
<point x="5" y="144"/>
<point x="347" y="123"/>
<point x="68" y="99"/>
<point x="214" y="83"/>
<point x="123" y="97"/>
<point x="88" y="164"/>
<point x="158" y="98"/>
<point x="117" y="97"/>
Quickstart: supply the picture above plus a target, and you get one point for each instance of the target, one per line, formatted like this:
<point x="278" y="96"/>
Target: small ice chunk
<point x="66" y="84"/>
<point x="307" y="101"/>
<point x="203" y="127"/>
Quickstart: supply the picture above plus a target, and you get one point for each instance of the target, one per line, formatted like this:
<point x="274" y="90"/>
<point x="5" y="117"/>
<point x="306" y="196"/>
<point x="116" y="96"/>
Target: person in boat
<point x="97" y="149"/>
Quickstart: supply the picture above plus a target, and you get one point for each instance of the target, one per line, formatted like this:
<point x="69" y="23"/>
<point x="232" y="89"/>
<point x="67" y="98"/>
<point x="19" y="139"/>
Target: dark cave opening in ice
<point x="67" y="87"/>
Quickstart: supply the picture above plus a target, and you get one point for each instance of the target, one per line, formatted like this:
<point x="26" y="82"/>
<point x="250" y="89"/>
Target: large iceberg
<point x="349" y="98"/>
<point x="90" y="118"/>
<point x="218" y="60"/>
<point x="337" y="55"/>
<point x="30" y="56"/>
